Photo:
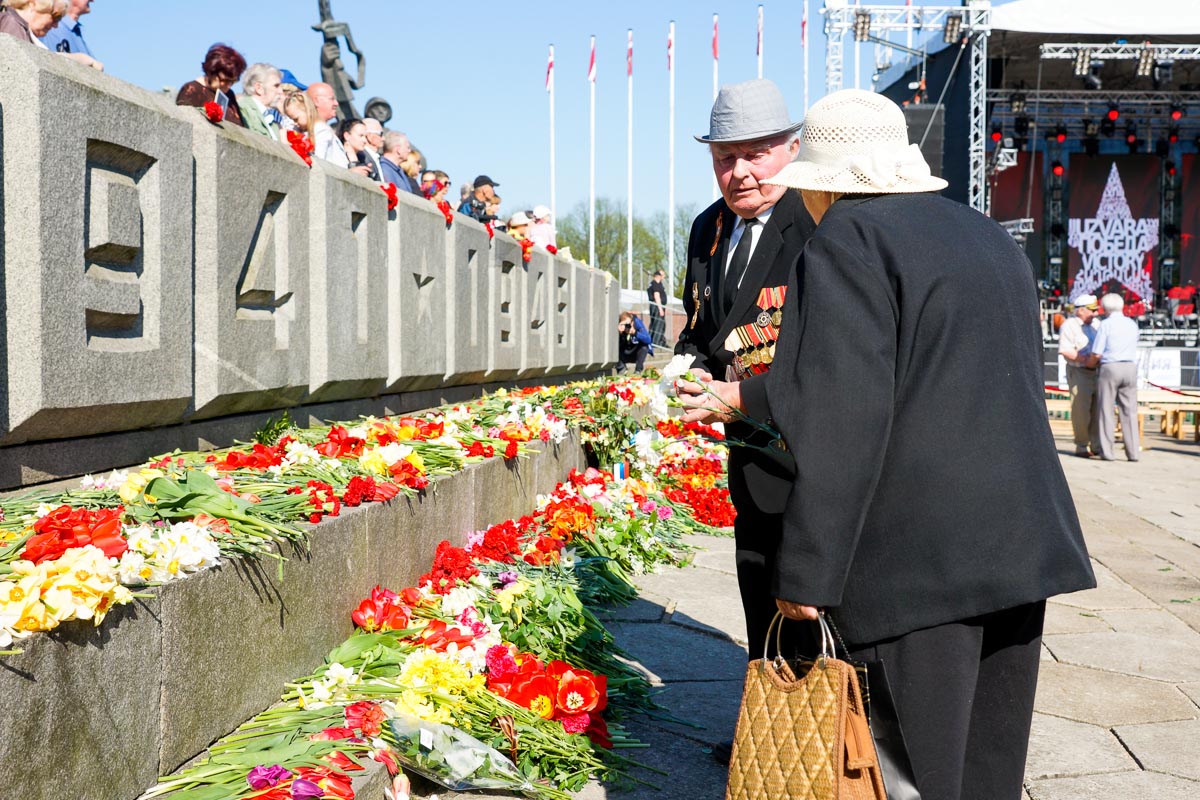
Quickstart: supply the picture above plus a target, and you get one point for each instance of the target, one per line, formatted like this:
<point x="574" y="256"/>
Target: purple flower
<point x="265" y="777"/>
<point x="306" y="790"/>
<point x="665" y="512"/>
<point x="507" y="577"/>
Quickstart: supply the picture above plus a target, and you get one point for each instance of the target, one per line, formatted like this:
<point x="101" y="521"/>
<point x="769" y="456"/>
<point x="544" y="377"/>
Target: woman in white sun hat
<point x="929" y="514"/>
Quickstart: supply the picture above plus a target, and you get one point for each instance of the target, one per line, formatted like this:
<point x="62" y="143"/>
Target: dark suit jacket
<point x="908" y="386"/>
<point x="768" y="475"/>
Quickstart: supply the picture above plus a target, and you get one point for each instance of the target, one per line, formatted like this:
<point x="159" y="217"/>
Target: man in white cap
<point x="1075" y="339"/>
<point x="929" y="517"/>
<point x="740" y="257"/>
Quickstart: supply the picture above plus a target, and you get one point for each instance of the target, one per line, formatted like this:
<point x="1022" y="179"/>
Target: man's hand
<point x="796" y="611"/>
<point x="709" y="401"/>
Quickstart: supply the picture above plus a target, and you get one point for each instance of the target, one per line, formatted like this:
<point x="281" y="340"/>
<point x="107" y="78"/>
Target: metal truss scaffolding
<point x="1106" y="52"/>
<point x="970" y="23"/>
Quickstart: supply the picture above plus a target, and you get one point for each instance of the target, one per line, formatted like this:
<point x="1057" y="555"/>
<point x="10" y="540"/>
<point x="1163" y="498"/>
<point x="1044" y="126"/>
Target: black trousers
<point x="964" y="696"/>
<point x="658" y="327"/>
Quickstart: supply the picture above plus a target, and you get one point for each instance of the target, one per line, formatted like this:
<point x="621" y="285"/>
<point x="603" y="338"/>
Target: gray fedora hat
<point x="747" y="111"/>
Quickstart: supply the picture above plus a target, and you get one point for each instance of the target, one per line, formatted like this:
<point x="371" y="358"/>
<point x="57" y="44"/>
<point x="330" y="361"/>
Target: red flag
<point x="592" y="62"/>
<point x="714" y="37"/>
<point x="804" y="26"/>
<point x="629" y="55"/>
<point x="670" y="51"/>
<point x="550" y="69"/>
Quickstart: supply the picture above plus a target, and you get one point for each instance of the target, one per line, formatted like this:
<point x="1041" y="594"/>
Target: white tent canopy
<point x="1175" y="18"/>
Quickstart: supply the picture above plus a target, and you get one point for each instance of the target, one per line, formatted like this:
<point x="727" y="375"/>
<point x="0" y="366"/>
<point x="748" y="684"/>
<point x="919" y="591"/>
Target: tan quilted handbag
<point x="803" y="738"/>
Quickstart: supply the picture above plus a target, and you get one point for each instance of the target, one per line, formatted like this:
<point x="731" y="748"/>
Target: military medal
<point x="695" y="305"/>
<point x="717" y="239"/>
<point x="707" y="293"/>
<point x="777" y="318"/>
<point x="764" y="319"/>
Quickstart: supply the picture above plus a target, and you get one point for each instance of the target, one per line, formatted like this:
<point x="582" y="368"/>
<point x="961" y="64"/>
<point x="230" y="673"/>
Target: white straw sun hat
<point x="856" y="142"/>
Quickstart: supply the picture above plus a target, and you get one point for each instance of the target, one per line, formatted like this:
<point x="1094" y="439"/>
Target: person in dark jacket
<point x="740" y="257"/>
<point x="633" y="342"/>
<point x="931" y="533"/>
<point x="223" y="67"/>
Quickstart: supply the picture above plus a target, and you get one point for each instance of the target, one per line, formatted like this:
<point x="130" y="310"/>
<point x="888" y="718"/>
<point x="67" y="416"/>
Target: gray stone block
<point x="405" y="532"/>
<point x="233" y="636"/>
<point x="503" y="490"/>
<point x="603" y="313"/>
<point x="1061" y="748"/>
<point x="252" y="254"/>
<point x="562" y="311"/>
<point x="418" y="296"/>
<point x="1115" y="785"/>
<point x="1172" y="747"/>
<point x="347" y="285"/>
<point x="538" y="282"/>
<point x="507" y="326"/>
<point x="97" y="301"/>
<point x="468" y="264"/>
<point x="581" y="301"/>
<point x="81" y="708"/>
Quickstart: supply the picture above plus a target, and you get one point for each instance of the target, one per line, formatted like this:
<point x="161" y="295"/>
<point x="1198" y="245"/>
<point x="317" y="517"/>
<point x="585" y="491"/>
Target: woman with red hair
<point x="223" y="67"/>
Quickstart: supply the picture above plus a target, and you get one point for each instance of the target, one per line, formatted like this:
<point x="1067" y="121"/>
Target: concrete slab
<point x="1146" y="656"/>
<point x="673" y="653"/>
<point x="711" y="704"/>
<point x="1060" y="748"/>
<point x="1115" y="785"/>
<point x="1171" y="747"/>
<point x="1107" y="698"/>
<point x="1192" y="690"/>
<point x="1068" y="619"/>
<point x="1110" y="592"/>
<point x="1151" y="622"/>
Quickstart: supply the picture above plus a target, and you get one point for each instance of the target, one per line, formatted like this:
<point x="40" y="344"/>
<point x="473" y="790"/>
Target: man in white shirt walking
<point x="1075" y="345"/>
<point x="1115" y="351"/>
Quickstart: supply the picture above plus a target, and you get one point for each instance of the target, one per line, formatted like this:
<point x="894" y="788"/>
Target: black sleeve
<point x="837" y="349"/>
<point x="686" y="344"/>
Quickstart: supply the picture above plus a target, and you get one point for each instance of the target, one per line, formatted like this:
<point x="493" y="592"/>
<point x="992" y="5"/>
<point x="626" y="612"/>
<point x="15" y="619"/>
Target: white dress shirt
<point x="1117" y="339"/>
<point x="755" y="234"/>
<point x="1074" y="335"/>
<point x="328" y="147"/>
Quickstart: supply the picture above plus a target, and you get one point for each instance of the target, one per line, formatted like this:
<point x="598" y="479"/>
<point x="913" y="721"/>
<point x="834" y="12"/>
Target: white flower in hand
<point x="678" y="367"/>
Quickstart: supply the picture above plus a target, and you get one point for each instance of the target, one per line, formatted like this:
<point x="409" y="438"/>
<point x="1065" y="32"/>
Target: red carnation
<point x="510" y="450"/>
<point x="393" y="198"/>
<point x="365" y="716"/>
<point x="302" y="145"/>
<point x="213" y="111"/>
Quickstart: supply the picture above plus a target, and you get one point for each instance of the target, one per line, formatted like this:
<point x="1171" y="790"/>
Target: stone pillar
<point x="562" y="332"/>
<point x="419" y="313"/>
<point x="468" y="263"/>
<point x="97" y="252"/>
<point x="538" y="281"/>
<point x="347" y="285"/>
<point x="252" y="254"/>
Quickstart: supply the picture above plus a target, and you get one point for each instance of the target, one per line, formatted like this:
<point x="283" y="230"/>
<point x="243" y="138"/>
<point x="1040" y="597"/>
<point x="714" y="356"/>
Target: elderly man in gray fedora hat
<point x="740" y="256"/>
<point x="931" y="537"/>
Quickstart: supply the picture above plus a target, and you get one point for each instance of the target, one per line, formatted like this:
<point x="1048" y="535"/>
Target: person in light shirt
<point x="1075" y="345"/>
<point x="1115" y="352"/>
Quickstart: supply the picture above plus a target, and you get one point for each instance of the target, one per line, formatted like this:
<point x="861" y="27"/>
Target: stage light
<point x="1092" y="79"/>
<point x="1057" y="169"/>
<point x="1163" y="71"/>
<point x="1017" y="103"/>
<point x="1090" y="128"/>
<point x="1060" y="134"/>
<point x="1083" y="62"/>
<point x="1176" y="112"/>
<point x="1171" y="169"/>
<point x="1145" y="63"/>
<point x="953" y="29"/>
<point x="1173" y="134"/>
<point x="997" y="132"/>
<point x="862" y="26"/>
<point x="1021" y="125"/>
<point x="1130" y="133"/>
<point x="1113" y="112"/>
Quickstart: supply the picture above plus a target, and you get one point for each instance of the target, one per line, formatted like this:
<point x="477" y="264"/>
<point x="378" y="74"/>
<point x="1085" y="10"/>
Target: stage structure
<point x="1023" y="91"/>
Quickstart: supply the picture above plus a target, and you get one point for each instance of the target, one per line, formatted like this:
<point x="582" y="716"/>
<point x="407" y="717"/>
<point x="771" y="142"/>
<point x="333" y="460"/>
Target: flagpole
<point x="908" y="31"/>
<point x="857" y="58"/>
<point x="716" y="189"/>
<point x="804" y="51"/>
<point x="760" y="39"/>
<point x="629" y="165"/>
<point x="671" y="160"/>
<point x="592" y="159"/>
<point x="553" y="181"/>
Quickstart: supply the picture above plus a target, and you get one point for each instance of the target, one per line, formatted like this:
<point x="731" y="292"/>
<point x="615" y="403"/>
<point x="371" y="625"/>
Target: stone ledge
<point x="115" y="707"/>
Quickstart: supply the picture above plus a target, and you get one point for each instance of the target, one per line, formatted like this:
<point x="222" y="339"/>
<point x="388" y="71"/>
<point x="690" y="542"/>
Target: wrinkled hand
<point x="795" y="610"/>
<point x="709" y="401"/>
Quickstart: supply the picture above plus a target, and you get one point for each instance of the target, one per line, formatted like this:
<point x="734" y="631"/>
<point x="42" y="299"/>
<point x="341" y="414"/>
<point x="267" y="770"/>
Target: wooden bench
<point x="1172" y="421"/>
<point x="1062" y="406"/>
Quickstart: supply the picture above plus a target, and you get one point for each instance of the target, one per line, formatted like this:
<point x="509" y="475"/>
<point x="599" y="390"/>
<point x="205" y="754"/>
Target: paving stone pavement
<point x="1118" y="702"/>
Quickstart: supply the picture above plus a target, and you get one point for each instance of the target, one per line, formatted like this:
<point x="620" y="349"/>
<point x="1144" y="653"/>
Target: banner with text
<point x="1112" y="225"/>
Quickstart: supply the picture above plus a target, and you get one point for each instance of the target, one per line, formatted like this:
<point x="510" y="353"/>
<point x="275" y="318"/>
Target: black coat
<point x="908" y="386"/>
<point x="768" y="475"/>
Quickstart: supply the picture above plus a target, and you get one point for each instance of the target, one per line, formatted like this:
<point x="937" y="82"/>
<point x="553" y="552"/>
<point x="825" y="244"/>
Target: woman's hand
<point x="795" y="610"/>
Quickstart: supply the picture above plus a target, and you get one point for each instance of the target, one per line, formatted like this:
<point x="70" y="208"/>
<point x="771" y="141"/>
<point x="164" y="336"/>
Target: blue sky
<point x="465" y="78"/>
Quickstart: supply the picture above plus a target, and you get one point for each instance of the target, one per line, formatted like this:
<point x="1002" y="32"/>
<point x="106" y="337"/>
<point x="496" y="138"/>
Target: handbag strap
<point x="828" y="639"/>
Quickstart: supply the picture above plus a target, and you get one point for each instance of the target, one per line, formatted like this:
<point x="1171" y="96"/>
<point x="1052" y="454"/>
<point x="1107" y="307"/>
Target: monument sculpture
<point x="333" y="71"/>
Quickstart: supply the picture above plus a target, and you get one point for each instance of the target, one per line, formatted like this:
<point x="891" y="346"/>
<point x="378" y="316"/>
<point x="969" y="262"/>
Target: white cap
<point x="541" y="212"/>
<point x="1085" y="301"/>
<point x="519" y="218"/>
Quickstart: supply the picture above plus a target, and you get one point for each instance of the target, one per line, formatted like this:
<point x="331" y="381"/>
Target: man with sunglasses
<point x="740" y="253"/>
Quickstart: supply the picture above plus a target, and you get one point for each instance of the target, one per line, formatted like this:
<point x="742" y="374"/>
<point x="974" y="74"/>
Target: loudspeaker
<point x="919" y="119"/>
